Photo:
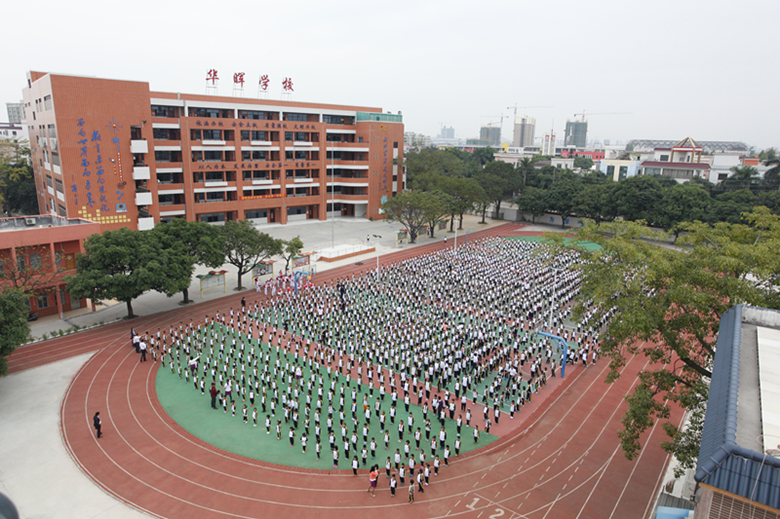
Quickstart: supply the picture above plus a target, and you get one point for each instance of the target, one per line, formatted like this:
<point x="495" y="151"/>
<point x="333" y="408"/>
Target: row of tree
<point x="448" y="183"/>
<point x="124" y="264"/>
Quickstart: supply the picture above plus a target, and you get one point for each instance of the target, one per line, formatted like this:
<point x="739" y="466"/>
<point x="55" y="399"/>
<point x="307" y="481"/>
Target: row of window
<point x="221" y="113"/>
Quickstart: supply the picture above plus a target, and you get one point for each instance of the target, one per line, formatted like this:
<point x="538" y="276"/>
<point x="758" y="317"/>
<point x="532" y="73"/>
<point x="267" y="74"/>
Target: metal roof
<point x="733" y="456"/>
<point x="707" y="146"/>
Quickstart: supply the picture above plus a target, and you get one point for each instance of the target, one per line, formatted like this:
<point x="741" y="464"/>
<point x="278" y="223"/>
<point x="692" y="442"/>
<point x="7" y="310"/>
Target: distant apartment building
<point x="525" y="130"/>
<point x="576" y="134"/>
<point x="119" y="154"/>
<point x="15" y="112"/>
<point x="491" y="135"/>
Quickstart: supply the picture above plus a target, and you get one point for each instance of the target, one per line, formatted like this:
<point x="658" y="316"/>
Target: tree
<point x="14" y="328"/>
<point x="17" y="184"/>
<point x="637" y="198"/>
<point x="432" y="160"/>
<point x="121" y="264"/>
<point x="531" y="201"/>
<point x="32" y="270"/>
<point x="435" y="207"/>
<point x="667" y="306"/>
<point x="772" y="175"/>
<point x="583" y="163"/>
<point x="526" y="169"/>
<point x="464" y="194"/>
<point x="409" y="209"/>
<point x="561" y="196"/>
<point x="682" y="203"/>
<point x="594" y="201"/>
<point x="290" y="249"/>
<point x="729" y="206"/>
<point x="245" y="246"/>
<point x="198" y="242"/>
<point x="504" y="182"/>
<point x="742" y="177"/>
<point x="493" y="186"/>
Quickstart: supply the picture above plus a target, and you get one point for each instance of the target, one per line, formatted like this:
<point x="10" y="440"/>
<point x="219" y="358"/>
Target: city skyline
<point x="703" y="73"/>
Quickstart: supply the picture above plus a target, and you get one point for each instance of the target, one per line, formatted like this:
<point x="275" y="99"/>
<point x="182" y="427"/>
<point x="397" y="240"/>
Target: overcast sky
<point x="704" y="69"/>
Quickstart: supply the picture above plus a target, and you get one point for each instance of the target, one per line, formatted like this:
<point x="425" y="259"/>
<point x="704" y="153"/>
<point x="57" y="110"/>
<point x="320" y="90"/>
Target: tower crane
<point x="515" y="107"/>
<point x="602" y="113"/>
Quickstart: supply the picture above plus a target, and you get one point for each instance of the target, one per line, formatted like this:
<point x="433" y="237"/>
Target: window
<point x="49" y="181"/>
<point x="251" y="114"/>
<point x="213" y="217"/>
<point x="212" y="156"/>
<point x="195" y="135"/>
<point x="214" y="176"/>
<point x="197" y="176"/>
<point x="296" y="117"/>
<point x="254" y="155"/>
<point x="210" y="112"/>
<point x="664" y="158"/>
<point x="167" y="156"/>
<point x="2" y="271"/>
<point x="43" y="300"/>
<point x="333" y="119"/>
<point x="256" y="213"/>
<point x="212" y="135"/>
<point x="52" y="131"/>
<point x="62" y="211"/>
<point x="165" y="111"/>
<point x="165" y="134"/>
<point x="55" y="158"/>
<point x="58" y="259"/>
<point x="288" y="136"/>
<point x="47" y="102"/>
<point x="59" y="185"/>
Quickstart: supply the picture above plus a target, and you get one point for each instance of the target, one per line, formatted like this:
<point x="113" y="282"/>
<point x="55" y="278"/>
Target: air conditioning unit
<point x="29" y="221"/>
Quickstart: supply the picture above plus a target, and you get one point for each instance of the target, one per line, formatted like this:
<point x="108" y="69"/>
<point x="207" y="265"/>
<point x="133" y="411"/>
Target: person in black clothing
<point x="98" y="423"/>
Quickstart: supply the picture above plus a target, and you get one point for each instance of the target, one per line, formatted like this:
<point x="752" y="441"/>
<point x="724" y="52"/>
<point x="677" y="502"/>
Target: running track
<point x="564" y="460"/>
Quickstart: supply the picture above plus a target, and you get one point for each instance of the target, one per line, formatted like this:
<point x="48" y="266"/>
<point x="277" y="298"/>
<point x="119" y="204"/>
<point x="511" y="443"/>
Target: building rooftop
<point x="18" y="223"/>
<point x="741" y="437"/>
<point x="707" y="146"/>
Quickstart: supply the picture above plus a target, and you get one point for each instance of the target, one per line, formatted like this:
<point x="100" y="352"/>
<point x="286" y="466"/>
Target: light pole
<point x="376" y="247"/>
<point x="332" y="196"/>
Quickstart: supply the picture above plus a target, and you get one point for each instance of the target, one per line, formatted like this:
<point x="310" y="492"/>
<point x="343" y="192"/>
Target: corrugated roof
<point x="723" y="463"/>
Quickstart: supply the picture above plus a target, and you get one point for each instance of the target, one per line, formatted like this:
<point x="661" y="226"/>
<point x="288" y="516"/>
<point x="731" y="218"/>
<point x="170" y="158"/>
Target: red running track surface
<point x="563" y="461"/>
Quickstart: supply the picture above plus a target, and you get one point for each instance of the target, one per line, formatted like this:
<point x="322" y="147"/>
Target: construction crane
<point x="516" y="107"/>
<point x="603" y="113"/>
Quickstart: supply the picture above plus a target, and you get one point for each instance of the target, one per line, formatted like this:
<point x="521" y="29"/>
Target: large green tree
<point x="531" y="201"/>
<point x="17" y="184"/>
<point x="464" y="194"/>
<point x="190" y="244"/>
<point x="682" y="203"/>
<point x="122" y="265"/>
<point x="637" y="198"/>
<point x="432" y="160"/>
<point x="409" y="209"/>
<point x="245" y="246"/>
<point x="667" y="306"/>
<point x="502" y="184"/>
<point x="14" y="328"/>
<point x="561" y="196"/>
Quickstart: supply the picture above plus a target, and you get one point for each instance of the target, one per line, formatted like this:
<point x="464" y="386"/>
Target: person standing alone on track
<point x="98" y="424"/>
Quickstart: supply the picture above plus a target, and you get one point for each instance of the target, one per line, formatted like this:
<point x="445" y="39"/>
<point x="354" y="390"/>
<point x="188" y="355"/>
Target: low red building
<point x="37" y="252"/>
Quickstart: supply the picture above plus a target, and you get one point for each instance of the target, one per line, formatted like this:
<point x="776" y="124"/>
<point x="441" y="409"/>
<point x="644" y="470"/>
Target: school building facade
<point x="116" y="153"/>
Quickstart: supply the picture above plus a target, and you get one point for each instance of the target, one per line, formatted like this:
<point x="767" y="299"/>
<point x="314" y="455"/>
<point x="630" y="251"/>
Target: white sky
<point x="705" y="69"/>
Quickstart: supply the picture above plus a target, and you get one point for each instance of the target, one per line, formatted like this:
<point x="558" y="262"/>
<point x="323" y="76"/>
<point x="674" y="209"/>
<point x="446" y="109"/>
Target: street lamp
<point x="376" y="247"/>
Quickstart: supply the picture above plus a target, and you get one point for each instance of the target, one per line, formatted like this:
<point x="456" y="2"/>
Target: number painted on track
<point x="499" y="513"/>
<point x="473" y="504"/>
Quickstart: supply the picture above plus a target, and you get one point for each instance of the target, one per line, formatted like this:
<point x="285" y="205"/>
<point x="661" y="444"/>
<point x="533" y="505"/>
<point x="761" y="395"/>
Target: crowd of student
<point x="448" y="331"/>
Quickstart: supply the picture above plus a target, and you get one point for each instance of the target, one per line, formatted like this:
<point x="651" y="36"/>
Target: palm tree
<point x="744" y="176"/>
<point x="772" y="175"/>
